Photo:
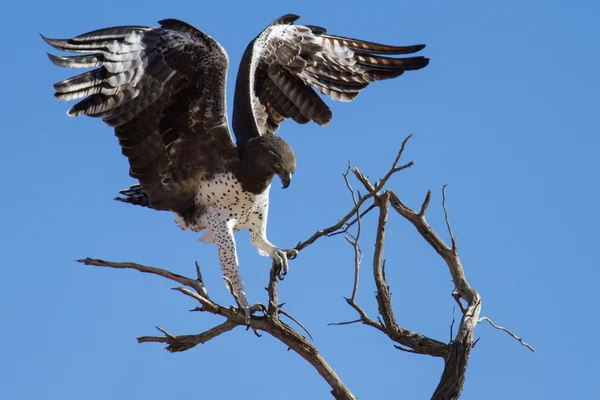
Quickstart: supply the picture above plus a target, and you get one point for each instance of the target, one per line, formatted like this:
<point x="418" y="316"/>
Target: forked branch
<point x="457" y="352"/>
<point x="269" y="322"/>
<point x="371" y="192"/>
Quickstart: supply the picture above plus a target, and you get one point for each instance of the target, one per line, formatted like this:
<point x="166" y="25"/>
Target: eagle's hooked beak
<point x="286" y="180"/>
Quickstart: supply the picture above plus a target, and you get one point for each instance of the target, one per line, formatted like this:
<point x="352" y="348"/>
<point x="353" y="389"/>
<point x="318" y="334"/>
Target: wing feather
<point x="163" y="90"/>
<point x="304" y="99"/>
<point x="299" y="59"/>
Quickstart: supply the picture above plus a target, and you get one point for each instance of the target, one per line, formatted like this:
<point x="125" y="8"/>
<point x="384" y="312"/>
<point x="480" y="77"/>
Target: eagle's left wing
<point x="283" y="64"/>
<point x="163" y="90"/>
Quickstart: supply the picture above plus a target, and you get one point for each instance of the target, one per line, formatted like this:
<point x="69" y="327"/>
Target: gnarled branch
<point x="269" y="322"/>
<point x="457" y="352"/>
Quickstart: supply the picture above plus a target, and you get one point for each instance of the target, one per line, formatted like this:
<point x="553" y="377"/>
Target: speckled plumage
<point x="163" y="91"/>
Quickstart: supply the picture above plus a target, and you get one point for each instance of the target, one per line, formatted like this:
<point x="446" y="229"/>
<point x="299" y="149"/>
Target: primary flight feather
<point x="163" y="91"/>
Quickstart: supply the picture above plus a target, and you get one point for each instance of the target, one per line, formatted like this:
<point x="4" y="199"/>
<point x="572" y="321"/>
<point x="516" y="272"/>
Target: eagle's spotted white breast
<point x="222" y="199"/>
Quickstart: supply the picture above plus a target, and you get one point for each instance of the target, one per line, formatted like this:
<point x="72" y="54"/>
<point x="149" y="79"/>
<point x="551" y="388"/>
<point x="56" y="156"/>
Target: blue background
<point x="506" y="114"/>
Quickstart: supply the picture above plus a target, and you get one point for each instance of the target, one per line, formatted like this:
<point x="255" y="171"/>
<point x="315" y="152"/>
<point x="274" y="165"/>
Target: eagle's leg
<point x="223" y="237"/>
<point x="258" y="238"/>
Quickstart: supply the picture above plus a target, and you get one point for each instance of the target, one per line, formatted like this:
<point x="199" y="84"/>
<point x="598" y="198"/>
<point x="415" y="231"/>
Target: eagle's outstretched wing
<point x="283" y="63"/>
<point x="163" y="90"/>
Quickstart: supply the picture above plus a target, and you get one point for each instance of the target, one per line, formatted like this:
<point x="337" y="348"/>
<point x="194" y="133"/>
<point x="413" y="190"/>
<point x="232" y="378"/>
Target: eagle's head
<point x="283" y="161"/>
<point x="271" y="155"/>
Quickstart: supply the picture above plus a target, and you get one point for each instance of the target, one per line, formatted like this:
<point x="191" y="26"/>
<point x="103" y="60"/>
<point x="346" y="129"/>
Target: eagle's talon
<point x="281" y="260"/>
<point x="281" y="257"/>
<point x="291" y="253"/>
<point x="258" y="308"/>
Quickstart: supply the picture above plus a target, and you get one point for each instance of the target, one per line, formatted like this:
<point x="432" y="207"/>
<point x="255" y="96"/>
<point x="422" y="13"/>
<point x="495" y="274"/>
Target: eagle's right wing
<point x="286" y="62"/>
<point x="163" y="90"/>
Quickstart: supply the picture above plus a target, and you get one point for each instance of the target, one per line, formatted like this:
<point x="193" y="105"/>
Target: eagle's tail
<point x="134" y="195"/>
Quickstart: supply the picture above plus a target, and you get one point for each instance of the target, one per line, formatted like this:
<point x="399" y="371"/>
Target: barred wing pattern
<point x="285" y="62"/>
<point x="163" y="89"/>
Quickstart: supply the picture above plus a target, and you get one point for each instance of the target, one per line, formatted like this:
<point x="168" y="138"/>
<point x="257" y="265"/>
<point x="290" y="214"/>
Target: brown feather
<point x="356" y="44"/>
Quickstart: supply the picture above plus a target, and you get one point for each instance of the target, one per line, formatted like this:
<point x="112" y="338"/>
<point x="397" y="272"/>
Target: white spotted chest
<point x="224" y="199"/>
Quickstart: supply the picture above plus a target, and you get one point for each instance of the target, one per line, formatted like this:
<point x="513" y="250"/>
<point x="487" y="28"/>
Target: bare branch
<point x="420" y="343"/>
<point x="344" y="323"/>
<point x="273" y="308"/>
<point x="417" y="342"/>
<point x="328" y="231"/>
<point x="450" y="256"/>
<point x="507" y="331"/>
<point x="395" y="167"/>
<point x="364" y="317"/>
<point x="446" y="216"/>
<point x="456" y="296"/>
<point x="452" y="324"/>
<point x="405" y="349"/>
<point x="193" y="283"/>
<point x="384" y="299"/>
<point x="455" y="354"/>
<point x="348" y="185"/>
<point x="297" y="322"/>
<point x="186" y="342"/>
<point x="167" y="334"/>
<point x="372" y="191"/>
<point x="357" y="260"/>
<point x="352" y="222"/>
<point x="459" y="350"/>
<point x="425" y="204"/>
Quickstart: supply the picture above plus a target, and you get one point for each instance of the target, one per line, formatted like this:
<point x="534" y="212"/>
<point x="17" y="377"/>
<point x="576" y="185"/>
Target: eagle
<point x="162" y="89"/>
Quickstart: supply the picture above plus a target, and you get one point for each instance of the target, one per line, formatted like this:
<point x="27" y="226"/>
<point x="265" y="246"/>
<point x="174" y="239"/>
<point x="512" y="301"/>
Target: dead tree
<point x="268" y="318"/>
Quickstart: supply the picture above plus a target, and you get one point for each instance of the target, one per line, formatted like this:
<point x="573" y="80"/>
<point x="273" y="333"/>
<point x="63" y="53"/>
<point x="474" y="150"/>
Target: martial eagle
<point x="163" y="91"/>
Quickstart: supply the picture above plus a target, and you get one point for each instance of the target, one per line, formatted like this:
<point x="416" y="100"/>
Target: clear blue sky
<point x="506" y="114"/>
